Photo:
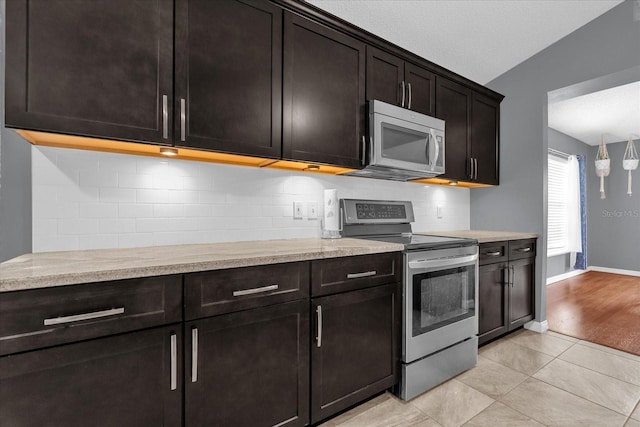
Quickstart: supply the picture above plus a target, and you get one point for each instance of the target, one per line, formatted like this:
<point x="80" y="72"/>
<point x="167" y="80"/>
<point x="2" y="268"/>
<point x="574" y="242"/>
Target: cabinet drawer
<point x="494" y="252"/>
<point x="45" y="317"/>
<point x="348" y="273"/>
<point x="519" y="249"/>
<point x="224" y="291"/>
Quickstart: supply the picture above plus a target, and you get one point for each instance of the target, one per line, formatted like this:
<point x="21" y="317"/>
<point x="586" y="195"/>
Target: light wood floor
<point x="603" y="308"/>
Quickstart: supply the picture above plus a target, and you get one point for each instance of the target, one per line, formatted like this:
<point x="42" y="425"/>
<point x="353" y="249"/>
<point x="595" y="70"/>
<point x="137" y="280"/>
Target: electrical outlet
<point x="439" y="211"/>
<point x="313" y="210"/>
<point x="298" y="210"/>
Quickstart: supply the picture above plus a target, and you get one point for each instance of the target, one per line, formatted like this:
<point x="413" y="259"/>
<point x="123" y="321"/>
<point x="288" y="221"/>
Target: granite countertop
<point x="47" y="269"/>
<point x="482" y="236"/>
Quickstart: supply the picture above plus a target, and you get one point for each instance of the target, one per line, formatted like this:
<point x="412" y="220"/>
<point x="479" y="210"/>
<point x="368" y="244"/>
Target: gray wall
<point x="613" y="224"/>
<point x="15" y="179"/>
<point x="606" y="45"/>
<point x="560" y="264"/>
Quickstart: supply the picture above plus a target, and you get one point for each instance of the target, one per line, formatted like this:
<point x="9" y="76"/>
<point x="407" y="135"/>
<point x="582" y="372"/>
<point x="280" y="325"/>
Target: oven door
<point x="440" y="304"/>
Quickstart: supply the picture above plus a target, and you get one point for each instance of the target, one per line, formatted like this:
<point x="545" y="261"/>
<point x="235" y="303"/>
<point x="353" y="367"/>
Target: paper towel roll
<point x="331" y="211"/>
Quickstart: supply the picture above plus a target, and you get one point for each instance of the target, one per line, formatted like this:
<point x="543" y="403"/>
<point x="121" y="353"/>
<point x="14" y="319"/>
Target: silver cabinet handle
<point x="83" y="316"/>
<point x="402" y="103"/>
<point x="364" y="148"/>
<point x="359" y="275"/>
<point x="255" y="290"/>
<point x="507" y="276"/>
<point x="524" y="250"/>
<point x="165" y="117"/>
<point x="174" y="362"/>
<point x="409" y="90"/>
<point x="194" y="355"/>
<point x="183" y="120"/>
<point x="319" y="336"/>
<point x="475" y="161"/>
<point x="471" y="167"/>
<point x="493" y="253"/>
<point x="513" y="274"/>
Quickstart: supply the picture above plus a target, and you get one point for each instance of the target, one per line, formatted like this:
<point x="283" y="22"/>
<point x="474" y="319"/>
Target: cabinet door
<point x="249" y="368"/>
<point x="521" y="298"/>
<point x="493" y="301"/>
<point x="324" y="89"/>
<point x="124" y="380"/>
<point x="485" y="138"/>
<point x="355" y="353"/>
<point x="385" y="75"/>
<point x="421" y="92"/>
<point x="228" y="76"/>
<point x="101" y="68"/>
<point x="453" y="105"/>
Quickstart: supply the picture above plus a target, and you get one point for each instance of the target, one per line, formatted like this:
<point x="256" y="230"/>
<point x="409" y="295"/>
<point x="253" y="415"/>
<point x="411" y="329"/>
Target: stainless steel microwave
<point x="403" y="144"/>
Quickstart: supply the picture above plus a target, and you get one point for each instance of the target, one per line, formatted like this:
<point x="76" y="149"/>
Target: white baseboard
<point x="535" y="326"/>
<point x="615" y="271"/>
<point x="563" y="276"/>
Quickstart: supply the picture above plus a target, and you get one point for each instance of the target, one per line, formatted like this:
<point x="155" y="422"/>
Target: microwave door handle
<point x="432" y="160"/>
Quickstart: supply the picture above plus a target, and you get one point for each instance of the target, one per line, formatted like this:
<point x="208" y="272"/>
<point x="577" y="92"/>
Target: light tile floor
<point x="524" y="379"/>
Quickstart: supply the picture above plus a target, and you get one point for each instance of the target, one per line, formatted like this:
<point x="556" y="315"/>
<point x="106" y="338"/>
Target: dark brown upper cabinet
<point x="392" y="80"/>
<point x="101" y="68"/>
<point x="453" y="105"/>
<point x="229" y="76"/>
<point x="485" y="138"/>
<point x="472" y="132"/>
<point x="277" y="79"/>
<point x="324" y="94"/>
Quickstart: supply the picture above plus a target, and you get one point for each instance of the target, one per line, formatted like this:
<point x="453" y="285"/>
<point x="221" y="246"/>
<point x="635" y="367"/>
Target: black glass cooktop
<point x="420" y="241"/>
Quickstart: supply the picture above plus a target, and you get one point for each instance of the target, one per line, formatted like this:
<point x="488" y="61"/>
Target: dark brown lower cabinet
<point x="522" y="288"/>
<point x="506" y="287"/>
<point x="249" y="368"/>
<point x="355" y="351"/>
<point x="124" y="380"/>
<point x="493" y="300"/>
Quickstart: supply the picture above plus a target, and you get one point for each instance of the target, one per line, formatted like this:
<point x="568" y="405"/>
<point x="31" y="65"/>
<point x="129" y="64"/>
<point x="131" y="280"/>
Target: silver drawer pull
<point x="174" y="362"/>
<point x="255" y="290"/>
<point x="183" y="120"/>
<point x="194" y="355"/>
<point x="84" y="316"/>
<point x="493" y="253"/>
<point x="319" y="336"/>
<point x="524" y="250"/>
<point x="359" y="275"/>
<point x="165" y="117"/>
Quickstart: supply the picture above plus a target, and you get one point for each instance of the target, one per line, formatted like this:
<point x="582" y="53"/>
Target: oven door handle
<point x="444" y="262"/>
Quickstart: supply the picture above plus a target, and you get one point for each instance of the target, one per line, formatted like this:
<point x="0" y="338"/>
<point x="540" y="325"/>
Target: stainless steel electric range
<point x="440" y="293"/>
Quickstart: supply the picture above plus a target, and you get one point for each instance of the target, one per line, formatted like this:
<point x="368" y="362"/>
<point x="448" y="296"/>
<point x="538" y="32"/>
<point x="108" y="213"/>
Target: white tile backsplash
<point x="92" y="200"/>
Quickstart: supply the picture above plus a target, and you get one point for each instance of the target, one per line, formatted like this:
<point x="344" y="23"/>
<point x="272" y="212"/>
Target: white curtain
<point x="573" y="208"/>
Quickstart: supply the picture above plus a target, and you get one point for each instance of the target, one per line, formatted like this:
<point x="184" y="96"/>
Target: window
<point x="557" y="216"/>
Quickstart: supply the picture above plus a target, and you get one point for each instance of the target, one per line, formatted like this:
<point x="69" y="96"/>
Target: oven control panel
<point x="376" y="211"/>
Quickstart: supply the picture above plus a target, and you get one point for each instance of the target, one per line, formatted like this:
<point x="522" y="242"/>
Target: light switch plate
<point x="298" y="210"/>
<point x="313" y="210"/>
<point x="439" y="211"/>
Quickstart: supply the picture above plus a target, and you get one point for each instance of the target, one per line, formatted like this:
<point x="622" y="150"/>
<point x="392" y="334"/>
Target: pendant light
<point x="603" y="165"/>
<point x="630" y="161"/>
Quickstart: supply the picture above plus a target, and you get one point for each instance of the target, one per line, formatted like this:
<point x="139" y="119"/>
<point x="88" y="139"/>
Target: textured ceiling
<point x="478" y="39"/>
<point x="613" y="113"/>
<point x="482" y="39"/>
